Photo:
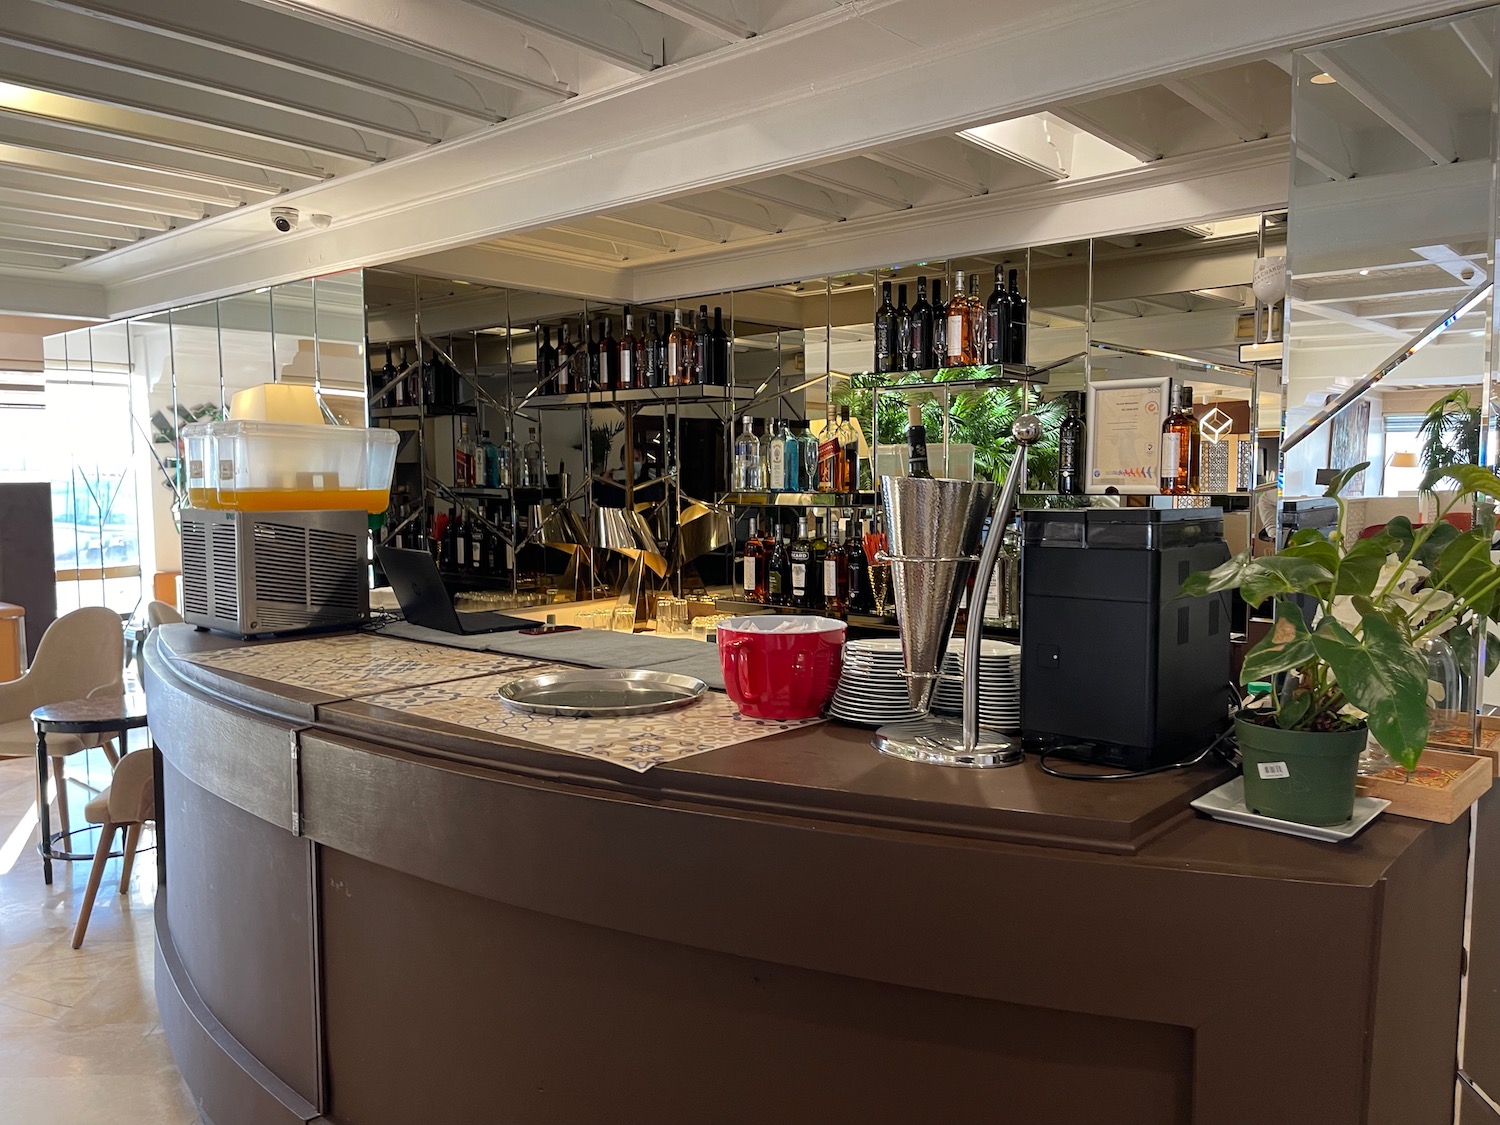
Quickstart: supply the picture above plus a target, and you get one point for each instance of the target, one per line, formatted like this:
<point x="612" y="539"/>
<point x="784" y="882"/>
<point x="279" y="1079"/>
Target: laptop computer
<point x="425" y="600"/>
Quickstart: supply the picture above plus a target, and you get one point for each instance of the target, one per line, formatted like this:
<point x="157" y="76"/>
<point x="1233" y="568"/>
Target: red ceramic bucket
<point x="781" y="666"/>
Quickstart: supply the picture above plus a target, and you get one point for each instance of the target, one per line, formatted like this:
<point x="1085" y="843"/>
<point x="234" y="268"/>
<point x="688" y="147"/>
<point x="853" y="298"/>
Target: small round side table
<point x="107" y="715"/>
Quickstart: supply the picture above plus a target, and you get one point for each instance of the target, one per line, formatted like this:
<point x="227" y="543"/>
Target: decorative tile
<point x="637" y="743"/>
<point x="358" y="662"/>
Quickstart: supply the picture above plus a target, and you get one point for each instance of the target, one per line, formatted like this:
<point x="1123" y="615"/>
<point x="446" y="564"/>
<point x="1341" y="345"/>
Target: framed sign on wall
<point x="1124" y="435"/>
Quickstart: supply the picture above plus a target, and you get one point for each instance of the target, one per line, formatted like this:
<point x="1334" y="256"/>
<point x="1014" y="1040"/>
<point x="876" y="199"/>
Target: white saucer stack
<point x="871" y="688"/>
<point x="999" y="684"/>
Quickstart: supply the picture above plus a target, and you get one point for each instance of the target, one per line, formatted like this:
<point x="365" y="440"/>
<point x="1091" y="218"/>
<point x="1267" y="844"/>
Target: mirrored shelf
<point x="801" y="499"/>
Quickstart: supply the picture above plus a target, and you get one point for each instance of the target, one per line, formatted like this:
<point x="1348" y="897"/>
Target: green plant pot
<point x="1299" y="775"/>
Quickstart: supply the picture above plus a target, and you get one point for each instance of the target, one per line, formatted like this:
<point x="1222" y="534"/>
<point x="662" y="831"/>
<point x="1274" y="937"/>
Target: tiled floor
<point x="79" y="1038"/>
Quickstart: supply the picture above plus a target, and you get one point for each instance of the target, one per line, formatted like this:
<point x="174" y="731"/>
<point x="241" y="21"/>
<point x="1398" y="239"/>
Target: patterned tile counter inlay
<point x="358" y="663"/>
<point x="637" y="743"/>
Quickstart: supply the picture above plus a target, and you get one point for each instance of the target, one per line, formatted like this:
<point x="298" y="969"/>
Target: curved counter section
<point x="372" y="918"/>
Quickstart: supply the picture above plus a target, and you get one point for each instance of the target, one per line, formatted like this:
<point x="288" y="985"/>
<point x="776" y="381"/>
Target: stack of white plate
<point x="999" y="684"/>
<point x="871" y="688"/>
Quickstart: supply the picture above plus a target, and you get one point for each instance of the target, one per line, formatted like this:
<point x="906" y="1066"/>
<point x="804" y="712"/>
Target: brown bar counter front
<point x="372" y="918"/>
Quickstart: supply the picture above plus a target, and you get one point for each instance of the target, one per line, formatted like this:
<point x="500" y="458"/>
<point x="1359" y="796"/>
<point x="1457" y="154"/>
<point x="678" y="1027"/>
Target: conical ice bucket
<point x="932" y="532"/>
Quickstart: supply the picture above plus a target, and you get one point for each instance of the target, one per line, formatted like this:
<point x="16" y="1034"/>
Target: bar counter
<point x="378" y="918"/>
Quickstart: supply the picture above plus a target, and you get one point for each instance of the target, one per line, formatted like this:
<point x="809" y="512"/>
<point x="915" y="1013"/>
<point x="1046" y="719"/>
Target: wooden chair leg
<point x="61" y="783"/>
<point x="111" y="754"/>
<point x="132" y="838"/>
<point x="101" y="857"/>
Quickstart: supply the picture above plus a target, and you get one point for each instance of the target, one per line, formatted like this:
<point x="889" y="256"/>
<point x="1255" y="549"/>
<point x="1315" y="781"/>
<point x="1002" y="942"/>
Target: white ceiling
<point x="622" y="146"/>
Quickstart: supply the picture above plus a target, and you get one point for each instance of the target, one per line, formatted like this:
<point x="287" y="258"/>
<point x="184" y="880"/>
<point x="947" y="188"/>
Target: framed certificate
<point x="1124" y="435"/>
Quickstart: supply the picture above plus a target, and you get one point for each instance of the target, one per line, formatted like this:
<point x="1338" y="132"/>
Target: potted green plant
<point x="1349" y="620"/>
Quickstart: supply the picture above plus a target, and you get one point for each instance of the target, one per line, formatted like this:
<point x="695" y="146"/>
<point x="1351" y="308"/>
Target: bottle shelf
<point x="697" y="393"/>
<point x="971" y="378"/>
<point x="466" y="410"/>
<point x="503" y="491"/>
<point x="800" y="499"/>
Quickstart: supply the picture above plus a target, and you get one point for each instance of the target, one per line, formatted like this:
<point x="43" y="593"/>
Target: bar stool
<point x="128" y="802"/>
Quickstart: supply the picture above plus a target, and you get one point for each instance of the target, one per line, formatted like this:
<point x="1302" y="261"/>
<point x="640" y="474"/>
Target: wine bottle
<point x="956" y="319"/>
<point x="546" y="355"/>
<point x="903" y="330"/>
<point x="885" y="331"/>
<point x="916" y="444"/>
<point x="765" y="544"/>
<point x="701" y="343"/>
<point x="750" y="566"/>
<point x="939" y="326"/>
<point x="997" y="334"/>
<point x="413" y="380"/>
<point x="626" y="365"/>
<point x="680" y="352"/>
<point x="977" y="343"/>
<point x="836" y="575"/>
<point x="1018" y="322"/>
<point x="383" y="380"/>
<point x="816" y="591"/>
<point x="463" y="458"/>
<point x="857" y="569"/>
<point x="801" y="556"/>
<point x="718" y="352"/>
<point x="596" y="373"/>
<point x="460" y="560"/>
<point x="1178" y="439"/>
<point x="609" y="360"/>
<point x="564" y="380"/>
<point x="779" y="572"/>
<point x="584" y="358"/>
<point x="919" y="346"/>
<point x="660" y="338"/>
<point x="1070" y="450"/>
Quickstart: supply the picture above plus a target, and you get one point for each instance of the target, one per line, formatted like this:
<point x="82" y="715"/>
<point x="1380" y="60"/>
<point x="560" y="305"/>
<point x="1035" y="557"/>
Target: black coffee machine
<point x="1115" y="667"/>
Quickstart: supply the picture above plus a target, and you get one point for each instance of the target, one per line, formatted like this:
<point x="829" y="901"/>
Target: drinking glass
<point x="584" y="619"/>
<point x="624" y="619"/>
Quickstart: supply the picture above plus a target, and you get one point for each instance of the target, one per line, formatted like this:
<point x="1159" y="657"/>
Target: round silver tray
<point x="601" y="693"/>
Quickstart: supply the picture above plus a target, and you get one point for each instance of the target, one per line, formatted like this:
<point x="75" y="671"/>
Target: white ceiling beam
<point x="1207" y="102"/>
<point x="941" y="160"/>
<point x="1024" y="141"/>
<point x="804" y="199"/>
<point x="694" y="228"/>
<point x="108" y="87"/>
<point x="75" y="225"/>
<point x="35" y="293"/>
<point x="37" y="237"/>
<point x="600" y="231"/>
<point x="446" y="33"/>
<point x="574" y="242"/>
<point x="716" y="17"/>
<point x="722" y="207"/>
<point x="72" y="210"/>
<point x="142" y="55"/>
<point x="142" y="203"/>
<point x="844" y="180"/>
<point x="1373" y="72"/>
<point x="1321" y="142"/>
<point x="620" y="31"/>
<point x="1475" y="39"/>
<point x="1344" y="315"/>
<point x="300" y="47"/>
<point x="37" y="134"/>
<point x="1079" y="117"/>
<point x="1454" y="263"/>
<point x="36" y="257"/>
<point x="87" y="171"/>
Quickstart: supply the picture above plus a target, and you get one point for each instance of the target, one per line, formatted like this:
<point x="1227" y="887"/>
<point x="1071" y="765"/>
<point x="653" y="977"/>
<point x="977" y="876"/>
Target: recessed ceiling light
<point x="1324" y="79"/>
<point x="1364" y="273"/>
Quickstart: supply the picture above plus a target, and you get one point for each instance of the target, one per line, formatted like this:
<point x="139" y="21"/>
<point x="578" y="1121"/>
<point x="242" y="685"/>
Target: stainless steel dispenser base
<point x="941" y="742"/>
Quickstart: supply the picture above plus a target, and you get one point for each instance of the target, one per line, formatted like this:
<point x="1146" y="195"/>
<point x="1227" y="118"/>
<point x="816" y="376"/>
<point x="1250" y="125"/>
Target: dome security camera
<point x="284" y="219"/>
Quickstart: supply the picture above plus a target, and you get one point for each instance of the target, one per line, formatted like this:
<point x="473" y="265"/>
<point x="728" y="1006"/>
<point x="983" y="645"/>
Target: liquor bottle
<point x="779" y="571"/>
<point x="609" y="360"/>
<point x="1070" y="450"/>
<point x="718" y="352"/>
<point x="1018" y="323"/>
<point x="808" y="479"/>
<point x="546" y="356"/>
<point x="626" y="369"/>
<point x="836" y="574"/>
<point x="582" y="360"/>
<point x="903" y="330"/>
<point x="533" y="469"/>
<point x="939" y="325"/>
<point x="460" y="559"/>
<point x="817" y="591"/>
<point x="596" y="373"/>
<point x="413" y="380"/>
<point x="752" y="564"/>
<point x="977" y="341"/>
<point x="916" y="444"/>
<point x="776" y="479"/>
<point x="1179" y="440"/>
<point x="489" y="563"/>
<point x="660" y="339"/>
<point x="857" y="597"/>
<point x="801" y="556"/>
<point x="488" y="468"/>
<point x="766" y="543"/>
<point x="747" y="467"/>
<point x="680" y="352"/>
<point x="382" y="382"/>
<point x="791" y="446"/>
<point x="885" y="331"/>
<point x="479" y="532"/>
<point x="463" y="459"/>
<point x="702" y="338"/>
<point x="997" y="335"/>
<point x="956" y="318"/>
<point x="849" y="435"/>
<point x="565" y="350"/>
<point x="830" y="453"/>
<point x="919" y="339"/>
